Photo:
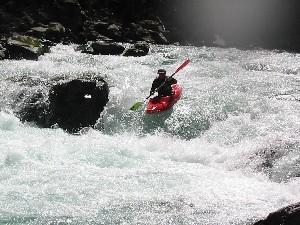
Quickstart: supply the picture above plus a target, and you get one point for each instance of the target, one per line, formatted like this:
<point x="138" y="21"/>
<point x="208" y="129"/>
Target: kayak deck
<point x="159" y="104"/>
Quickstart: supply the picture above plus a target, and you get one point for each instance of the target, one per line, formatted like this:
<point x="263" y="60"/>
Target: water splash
<point x="203" y="162"/>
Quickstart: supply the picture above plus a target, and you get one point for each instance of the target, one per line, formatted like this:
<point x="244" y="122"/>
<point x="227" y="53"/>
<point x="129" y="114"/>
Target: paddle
<point x="137" y="105"/>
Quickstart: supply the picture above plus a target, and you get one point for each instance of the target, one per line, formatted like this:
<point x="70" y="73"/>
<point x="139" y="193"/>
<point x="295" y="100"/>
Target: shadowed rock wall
<point x="237" y="23"/>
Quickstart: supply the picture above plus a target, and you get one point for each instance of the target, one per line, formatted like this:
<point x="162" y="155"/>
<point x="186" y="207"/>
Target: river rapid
<point x="228" y="153"/>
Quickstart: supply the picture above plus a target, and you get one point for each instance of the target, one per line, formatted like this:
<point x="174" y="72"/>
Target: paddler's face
<point x="161" y="75"/>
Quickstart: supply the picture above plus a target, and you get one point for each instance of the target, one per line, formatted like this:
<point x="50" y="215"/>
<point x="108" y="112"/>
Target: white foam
<point x="201" y="163"/>
<point x="8" y="122"/>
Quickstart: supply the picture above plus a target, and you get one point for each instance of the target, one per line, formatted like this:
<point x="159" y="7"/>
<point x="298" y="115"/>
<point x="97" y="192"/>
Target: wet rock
<point x="102" y="48"/>
<point x="34" y="108"/>
<point x="100" y="26"/>
<point x="2" y="52"/>
<point x="25" y="47"/>
<point x="156" y="31"/>
<point x="94" y="30"/>
<point x="159" y="38"/>
<point x="152" y="25"/>
<point x="182" y="22"/>
<point x="289" y="215"/>
<point x="138" y="49"/>
<point x="114" y="31"/>
<point x="106" y="31"/>
<point x="77" y="104"/>
<point x="70" y="106"/>
<point x="84" y="20"/>
<point x="53" y="31"/>
<point x="136" y="32"/>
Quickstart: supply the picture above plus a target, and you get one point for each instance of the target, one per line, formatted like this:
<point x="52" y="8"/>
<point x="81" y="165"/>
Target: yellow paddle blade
<point x="136" y="106"/>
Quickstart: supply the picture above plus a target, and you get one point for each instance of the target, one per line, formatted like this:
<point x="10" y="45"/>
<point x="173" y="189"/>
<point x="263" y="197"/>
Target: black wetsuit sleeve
<point x="172" y="81"/>
<point x="166" y="88"/>
<point x="155" y="84"/>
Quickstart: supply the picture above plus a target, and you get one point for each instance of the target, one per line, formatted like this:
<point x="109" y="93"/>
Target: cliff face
<point x="236" y="23"/>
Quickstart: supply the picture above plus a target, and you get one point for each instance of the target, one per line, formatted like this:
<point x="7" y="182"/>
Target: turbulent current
<point x="228" y="153"/>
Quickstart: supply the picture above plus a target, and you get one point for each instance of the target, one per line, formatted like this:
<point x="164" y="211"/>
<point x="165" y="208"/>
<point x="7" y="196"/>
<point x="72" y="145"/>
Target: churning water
<point x="227" y="153"/>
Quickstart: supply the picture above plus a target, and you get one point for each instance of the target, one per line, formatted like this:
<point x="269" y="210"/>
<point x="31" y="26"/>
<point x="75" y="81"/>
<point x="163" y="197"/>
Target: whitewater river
<point x="227" y="154"/>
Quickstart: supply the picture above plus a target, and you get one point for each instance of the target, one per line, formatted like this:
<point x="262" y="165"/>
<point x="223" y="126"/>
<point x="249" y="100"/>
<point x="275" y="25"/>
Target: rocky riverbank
<point x="193" y="22"/>
<point x="30" y="27"/>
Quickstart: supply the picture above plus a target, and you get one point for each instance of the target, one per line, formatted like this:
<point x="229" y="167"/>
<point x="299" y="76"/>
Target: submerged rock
<point x="138" y="49"/>
<point x="289" y="215"/>
<point x="25" y="47"/>
<point x="34" y="108"/>
<point x="77" y="104"/>
<point x="103" y="48"/>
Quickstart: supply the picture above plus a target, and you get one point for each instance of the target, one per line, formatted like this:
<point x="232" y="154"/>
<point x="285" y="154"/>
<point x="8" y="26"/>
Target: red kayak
<point x="159" y="104"/>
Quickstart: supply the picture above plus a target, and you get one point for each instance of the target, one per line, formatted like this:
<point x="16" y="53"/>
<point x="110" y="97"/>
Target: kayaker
<point x="166" y="89"/>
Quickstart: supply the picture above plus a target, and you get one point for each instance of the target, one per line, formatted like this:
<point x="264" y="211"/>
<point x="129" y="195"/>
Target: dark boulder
<point x="138" y="49"/>
<point x="289" y="215"/>
<point x="103" y="48"/>
<point x="70" y="106"/>
<point x="77" y="104"/>
<point x="25" y="47"/>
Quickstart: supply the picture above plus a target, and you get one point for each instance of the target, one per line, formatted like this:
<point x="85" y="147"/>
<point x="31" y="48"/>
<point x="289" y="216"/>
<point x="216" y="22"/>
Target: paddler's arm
<point x="171" y="80"/>
<point x="154" y="86"/>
